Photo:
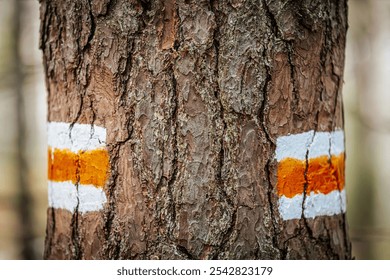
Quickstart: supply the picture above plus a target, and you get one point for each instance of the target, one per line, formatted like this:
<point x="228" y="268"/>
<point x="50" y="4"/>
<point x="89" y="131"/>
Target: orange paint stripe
<point x="322" y="176"/>
<point x="87" y="168"/>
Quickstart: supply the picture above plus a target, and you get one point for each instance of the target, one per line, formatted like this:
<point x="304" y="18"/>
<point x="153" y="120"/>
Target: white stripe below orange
<point x="316" y="204"/>
<point x="66" y="195"/>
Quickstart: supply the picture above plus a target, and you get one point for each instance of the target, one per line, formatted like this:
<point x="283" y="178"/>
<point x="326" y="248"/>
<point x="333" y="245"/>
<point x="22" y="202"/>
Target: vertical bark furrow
<point x="220" y="248"/>
<point x="173" y="131"/>
<point x="92" y="29"/>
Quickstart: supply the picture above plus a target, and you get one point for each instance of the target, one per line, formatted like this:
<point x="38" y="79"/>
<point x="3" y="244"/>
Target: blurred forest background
<point x="23" y="172"/>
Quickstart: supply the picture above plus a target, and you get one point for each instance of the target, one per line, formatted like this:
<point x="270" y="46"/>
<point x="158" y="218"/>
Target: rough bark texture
<point x="193" y="95"/>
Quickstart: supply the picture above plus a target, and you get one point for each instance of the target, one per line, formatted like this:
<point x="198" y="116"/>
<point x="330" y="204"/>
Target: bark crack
<point x="262" y="110"/>
<point x="295" y="94"/>
<point x="110" y="7"/>
<point x="267" y="168"/>
<point x="306" y="184"/>
<point x="75" y="217"/>
<point x="228" y="234"/>
<point x="183" y="250"/>
<point x="126" y="72"/>
<point x="111" y="209"/>
<point x="92" y="29"/>
<point x="217" y="94"/>
<point x="112" y="245"/>
<point x="174" y="128"/>
<point x="146" y="5"/>
<point x="284" y="249"/>
<point x="273" y="24"/>
<point x="221" y="155"/>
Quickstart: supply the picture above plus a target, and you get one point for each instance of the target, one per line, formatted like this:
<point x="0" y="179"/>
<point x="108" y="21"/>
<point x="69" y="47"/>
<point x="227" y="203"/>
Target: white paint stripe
<point x="293" y="146"/>
<point x="291" y="208"/>
<point x="91" y="198"/>
<point x="318" y="144"/>
<point x="64" y="195"/>
<point x="316" y="204"/>
<point x="80" y="137"/>
<point x="337" y="142"/>
<point x="325" y="204"/>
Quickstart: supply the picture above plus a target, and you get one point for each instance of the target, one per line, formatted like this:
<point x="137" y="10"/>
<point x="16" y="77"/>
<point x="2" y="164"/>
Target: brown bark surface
<point x="193" y="95"/>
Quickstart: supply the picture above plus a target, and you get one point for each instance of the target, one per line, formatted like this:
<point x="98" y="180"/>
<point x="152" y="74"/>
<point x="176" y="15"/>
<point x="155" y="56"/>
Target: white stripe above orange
<point x="76" y="137"/>
<point x="316" y="143"/>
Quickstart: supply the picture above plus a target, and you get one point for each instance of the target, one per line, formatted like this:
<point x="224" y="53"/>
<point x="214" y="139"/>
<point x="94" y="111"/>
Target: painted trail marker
<point x="311" y="174"/>
<point x="78" y="163"/>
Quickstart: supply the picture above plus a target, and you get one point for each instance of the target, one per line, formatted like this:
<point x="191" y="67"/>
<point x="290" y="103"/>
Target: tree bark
<point x="194" y="96"/>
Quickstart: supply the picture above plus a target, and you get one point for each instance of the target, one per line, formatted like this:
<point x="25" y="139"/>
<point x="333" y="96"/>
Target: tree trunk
<point x="195" y="129"/>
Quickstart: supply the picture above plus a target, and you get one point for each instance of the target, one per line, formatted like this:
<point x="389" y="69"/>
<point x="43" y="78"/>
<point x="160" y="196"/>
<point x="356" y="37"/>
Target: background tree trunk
<point x="24" y="199"/>
<point x="193" y="96"/>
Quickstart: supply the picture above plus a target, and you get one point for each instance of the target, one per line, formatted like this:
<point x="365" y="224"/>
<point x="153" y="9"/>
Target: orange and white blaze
<point x="78" y="164"/>
<point x="311" y="174"/>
